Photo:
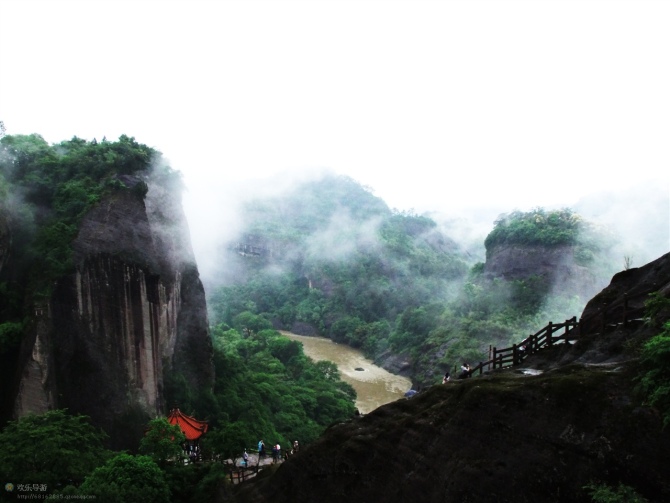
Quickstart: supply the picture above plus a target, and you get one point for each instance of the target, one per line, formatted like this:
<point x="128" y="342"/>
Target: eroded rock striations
<point x="133" y="310"/>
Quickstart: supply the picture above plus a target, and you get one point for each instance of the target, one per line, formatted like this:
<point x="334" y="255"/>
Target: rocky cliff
<point x="557" y="264"/>
<point x="133" y="310"/>
<point x="571" y="417"/>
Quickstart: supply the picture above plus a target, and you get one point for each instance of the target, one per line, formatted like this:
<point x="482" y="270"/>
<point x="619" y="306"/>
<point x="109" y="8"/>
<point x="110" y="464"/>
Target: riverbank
<point x="374" y="385"/>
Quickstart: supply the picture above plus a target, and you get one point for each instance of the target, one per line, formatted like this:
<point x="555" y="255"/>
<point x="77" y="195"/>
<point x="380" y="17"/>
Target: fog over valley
<point x="462" y="110"/>
<point x="636" y="217"/>
<point x="361" y="251"/>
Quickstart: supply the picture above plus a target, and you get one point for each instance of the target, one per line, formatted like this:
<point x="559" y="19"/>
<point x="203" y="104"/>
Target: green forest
<point x="330" y="259"/>
<point x="344" y="266"/>
<point x="265" y="386"/>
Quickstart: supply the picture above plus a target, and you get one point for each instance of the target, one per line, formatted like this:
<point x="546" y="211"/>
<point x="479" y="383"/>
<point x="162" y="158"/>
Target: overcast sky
<point x="434" y="105"/>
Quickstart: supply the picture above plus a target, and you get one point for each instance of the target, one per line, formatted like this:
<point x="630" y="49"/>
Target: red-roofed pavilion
<point x="192" y="428"/>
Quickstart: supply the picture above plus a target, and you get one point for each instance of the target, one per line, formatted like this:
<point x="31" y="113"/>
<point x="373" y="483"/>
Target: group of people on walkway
<point x="277" y="453"/>
<point x="466" y="372"/>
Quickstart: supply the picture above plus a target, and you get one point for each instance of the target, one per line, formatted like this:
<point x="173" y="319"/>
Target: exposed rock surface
<point x="555" y="263"/>
<point x="633" y="284"/>
<point x="507" y="436"/>
<point x="396" y="364"/>
<point x="133" y="310"/>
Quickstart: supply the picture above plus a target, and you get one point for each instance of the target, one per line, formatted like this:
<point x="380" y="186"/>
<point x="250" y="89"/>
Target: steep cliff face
<point x="633" y="284"/>
<point x="555" y="263"/>
<point x="133" y="310"/>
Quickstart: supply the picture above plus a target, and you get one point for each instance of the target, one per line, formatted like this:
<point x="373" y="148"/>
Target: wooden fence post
<point x="570" y="326"/>
<point x="494" y="358"/>
<point x="515" y="355"/>
<point x="549" y="332"/>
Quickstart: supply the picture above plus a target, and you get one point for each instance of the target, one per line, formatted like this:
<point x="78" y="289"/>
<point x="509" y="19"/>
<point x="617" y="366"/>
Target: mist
<point x="637" y="218"/>
<point x="464" y="110"/>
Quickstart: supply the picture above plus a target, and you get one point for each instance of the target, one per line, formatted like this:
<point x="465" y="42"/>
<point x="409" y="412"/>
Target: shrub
<point x="655" y="381"/>
<point x="602" y="493"/>
<point x="31" y="445"/>
<point x="127" y="479"/>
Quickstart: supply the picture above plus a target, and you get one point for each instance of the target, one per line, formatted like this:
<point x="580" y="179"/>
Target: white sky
<point x="442" y="105"/>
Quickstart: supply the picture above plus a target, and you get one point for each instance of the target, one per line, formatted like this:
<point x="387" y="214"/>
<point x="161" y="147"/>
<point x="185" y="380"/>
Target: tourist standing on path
<point x="261" y="450"/>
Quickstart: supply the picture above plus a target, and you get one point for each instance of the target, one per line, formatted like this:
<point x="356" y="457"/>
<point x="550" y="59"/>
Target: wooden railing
<point x="514" y="354"/>
<point x="241" y="472"/>
<point x="607" y="318"/>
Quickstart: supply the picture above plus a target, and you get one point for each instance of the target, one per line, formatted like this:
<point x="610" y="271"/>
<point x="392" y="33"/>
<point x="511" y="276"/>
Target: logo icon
<point x="9" y="487"/>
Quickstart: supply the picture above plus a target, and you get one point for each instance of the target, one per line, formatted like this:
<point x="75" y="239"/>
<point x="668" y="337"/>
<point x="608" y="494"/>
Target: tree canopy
<point x="55" y="185"/>
<point x="350" y="269"/>
<point x="536" y="227"/>
<point x="163" y="441"/>
<point x="127" y="479"/>
<point x="266" y="388"/>
<point x="54" y="448"/>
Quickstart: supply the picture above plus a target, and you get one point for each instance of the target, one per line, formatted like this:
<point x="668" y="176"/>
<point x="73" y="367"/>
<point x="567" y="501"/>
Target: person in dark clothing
<point x="522" y="351"/>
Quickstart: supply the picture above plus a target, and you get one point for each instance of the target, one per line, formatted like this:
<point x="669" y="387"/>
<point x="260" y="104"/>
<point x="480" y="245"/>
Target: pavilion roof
<point x="190" y="426"/>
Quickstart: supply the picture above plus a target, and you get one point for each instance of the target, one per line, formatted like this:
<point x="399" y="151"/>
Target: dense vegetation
<point x="57" y="184"/>
<point x="537" y="227"/>
<point x="62" y="456"/>
<point x="540" y="227"/>
<point x="54" y="449"/>
<point x="331" y="259"/>
<point x="265" y="388"/>
<point x="46" y="189"/>
<point x="654" y="380"/>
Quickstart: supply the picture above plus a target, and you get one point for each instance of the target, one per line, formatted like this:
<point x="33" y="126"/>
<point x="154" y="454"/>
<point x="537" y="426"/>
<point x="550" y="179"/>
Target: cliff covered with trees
<point x="103" y="326"/>
<point x="100" y="296"/>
